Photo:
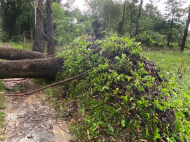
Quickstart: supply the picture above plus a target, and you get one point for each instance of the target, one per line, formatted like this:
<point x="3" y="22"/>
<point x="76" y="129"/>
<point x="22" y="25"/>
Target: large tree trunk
<point x="50" y="31"/>
<point x="17" y="54"/>
<point x="39" y="43"/>
<point x="185" y="32"/>
<point x="122" y="33"/>
<point x="35" y="68"/>
<point x="138" y="18"/>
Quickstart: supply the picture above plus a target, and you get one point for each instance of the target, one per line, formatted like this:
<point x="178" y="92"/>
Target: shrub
<point x="123" y="98"/>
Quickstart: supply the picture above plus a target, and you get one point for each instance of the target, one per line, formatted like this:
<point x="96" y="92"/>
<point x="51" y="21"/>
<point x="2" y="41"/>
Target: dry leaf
<point x="62" y="133"/>
<point x="88" y="133"/>
<point x="17" y="123"/>
<point x="142" y="140"/>
<point x="138" y="130"/>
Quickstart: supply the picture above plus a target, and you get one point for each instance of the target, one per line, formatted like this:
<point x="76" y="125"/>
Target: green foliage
<point x="69" y="24"/>
<point x="17" y="17"/>
<point x="16" y="39"/>
<point x="120" y="99"/>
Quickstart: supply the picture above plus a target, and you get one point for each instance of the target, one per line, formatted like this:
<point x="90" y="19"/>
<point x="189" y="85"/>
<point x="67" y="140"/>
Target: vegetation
<point x="16" y="45"/>
<point x="122" y="98"/>
<point x="125" y="97"/>
<point x="2" y="115"/>
<point x="175" y="64"/>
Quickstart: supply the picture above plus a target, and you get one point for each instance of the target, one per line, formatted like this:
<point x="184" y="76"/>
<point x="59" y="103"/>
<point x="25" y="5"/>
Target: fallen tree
<point x="18" y="54"/>
<point x="27" y="68"/>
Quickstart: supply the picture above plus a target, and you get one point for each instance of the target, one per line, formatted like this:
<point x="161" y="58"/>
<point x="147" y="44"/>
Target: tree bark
<point x="50" y="31"/>
<point x="122" y="33"/>
<point x="18" y="54"/>
<point x="35" y="68"/>
<point x="138" y="18"/>
<point x="185" y="32"/>
<point x="39" y="43"/>
<point x="169" y="36"/>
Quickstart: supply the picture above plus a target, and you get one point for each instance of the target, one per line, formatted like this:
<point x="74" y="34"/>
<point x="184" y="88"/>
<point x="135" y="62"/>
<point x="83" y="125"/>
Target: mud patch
<point x="30" y="119"/>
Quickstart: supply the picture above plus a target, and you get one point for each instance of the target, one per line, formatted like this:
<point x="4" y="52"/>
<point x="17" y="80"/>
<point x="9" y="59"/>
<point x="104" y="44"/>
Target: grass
<point x="175" y="64"/>
<point x="19" y="45"/>
<point x="1" y="43"/>
<point x="16" y="45"/>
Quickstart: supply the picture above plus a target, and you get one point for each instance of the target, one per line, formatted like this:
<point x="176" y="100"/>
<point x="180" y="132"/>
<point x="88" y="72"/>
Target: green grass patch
<point x="18" y="45"/>
<point x="1" y="43"/>
<point x="174" y="64"/>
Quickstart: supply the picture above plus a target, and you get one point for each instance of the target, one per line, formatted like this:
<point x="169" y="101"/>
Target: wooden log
<point x="31" y="68"/>
<point x="18" y="54"/>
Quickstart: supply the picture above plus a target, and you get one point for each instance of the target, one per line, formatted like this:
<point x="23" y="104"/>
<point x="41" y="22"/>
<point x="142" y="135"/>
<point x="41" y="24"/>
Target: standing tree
<point x="122" y="32"/>
<point x="50" y="31"/>
<point x="174" y="9"/>
<point x="39" y="43"/>
<point x="138" y="18"/>
<point x="185" y="31"/>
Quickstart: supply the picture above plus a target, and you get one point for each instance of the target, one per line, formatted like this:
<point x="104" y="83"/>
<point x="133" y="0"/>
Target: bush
<point x="123" y="98"/>
<point x="16" y="39"/>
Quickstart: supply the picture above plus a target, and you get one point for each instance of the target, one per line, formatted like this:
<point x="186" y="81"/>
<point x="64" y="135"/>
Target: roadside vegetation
<point x="123" y="96"/>
<point x="122" y="99"/>
<point x="2" y="107"/>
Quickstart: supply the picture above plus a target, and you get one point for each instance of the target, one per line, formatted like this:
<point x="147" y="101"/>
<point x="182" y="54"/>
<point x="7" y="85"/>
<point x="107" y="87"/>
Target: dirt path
<point x="29" y="118"/>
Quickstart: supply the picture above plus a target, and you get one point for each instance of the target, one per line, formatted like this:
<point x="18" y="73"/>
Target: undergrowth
<point x="2" y="107"/>
<point x="123" y="98"/>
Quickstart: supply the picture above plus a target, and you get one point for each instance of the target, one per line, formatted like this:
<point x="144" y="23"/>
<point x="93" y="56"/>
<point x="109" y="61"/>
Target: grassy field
<point x="175" y="64"/>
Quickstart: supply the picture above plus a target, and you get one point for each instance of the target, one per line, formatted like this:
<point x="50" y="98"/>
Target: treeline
<point x="134" y="18"/>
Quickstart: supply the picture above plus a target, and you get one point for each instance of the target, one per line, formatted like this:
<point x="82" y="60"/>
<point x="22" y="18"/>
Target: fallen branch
<point x="54" y="84"/>
<point x="12" y="80"/>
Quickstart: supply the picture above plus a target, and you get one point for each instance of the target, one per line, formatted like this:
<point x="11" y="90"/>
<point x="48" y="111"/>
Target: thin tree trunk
<point x="185" y="32"/>
<point x="169" y="36"/>
<point x="31" y="28"/>
<point x="138" y="18"/>
<point x="19" y="30"/>
<point x="39" y="44"/>
<point x="50" y="31"/>
<point x="122" y="33"/>
<point x="109" y="24"/>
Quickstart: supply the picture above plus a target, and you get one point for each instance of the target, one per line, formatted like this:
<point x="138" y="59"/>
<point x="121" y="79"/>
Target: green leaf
<point x="123" y="122"/>
<point x="117" y="58"/>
